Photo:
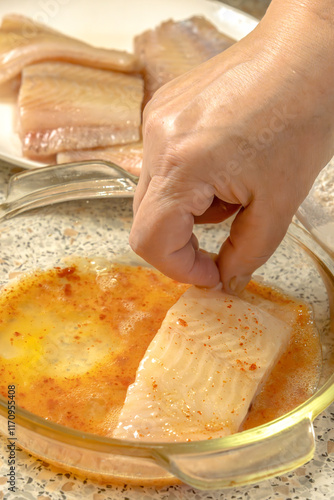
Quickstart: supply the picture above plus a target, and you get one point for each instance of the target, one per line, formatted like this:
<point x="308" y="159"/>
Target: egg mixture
<point x="72" y="337"/>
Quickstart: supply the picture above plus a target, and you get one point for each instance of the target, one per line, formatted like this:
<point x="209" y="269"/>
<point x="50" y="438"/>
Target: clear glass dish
<point x="92" y="222"/>
<point x="317" y="212"/>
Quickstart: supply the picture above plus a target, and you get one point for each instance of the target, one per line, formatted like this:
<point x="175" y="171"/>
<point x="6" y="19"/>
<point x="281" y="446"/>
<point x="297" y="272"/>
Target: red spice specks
<point x="67" y="290"/>
<point x="253" y="367"/>
<point x="182" y="322"/>
<point x="66" y="271"/>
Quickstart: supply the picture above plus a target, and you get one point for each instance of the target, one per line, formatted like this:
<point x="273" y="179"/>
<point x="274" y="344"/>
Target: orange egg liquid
<point x="71" y="339"/>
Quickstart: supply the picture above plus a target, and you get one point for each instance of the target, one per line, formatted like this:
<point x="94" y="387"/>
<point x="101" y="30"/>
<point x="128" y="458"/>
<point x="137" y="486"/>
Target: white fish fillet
<point x="64" y="106"/>
<point x="202" y="370"/>
<point x="127" y="156"/>
<point x="24" y="42"/>
<point x="173" y="48"/>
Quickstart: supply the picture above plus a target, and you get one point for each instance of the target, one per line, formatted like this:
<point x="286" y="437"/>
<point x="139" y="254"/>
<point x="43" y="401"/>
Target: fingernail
<point x="238" y="283"/>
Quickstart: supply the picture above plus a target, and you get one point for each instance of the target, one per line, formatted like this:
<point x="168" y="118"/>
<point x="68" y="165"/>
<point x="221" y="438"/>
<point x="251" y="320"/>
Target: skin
<point x="248" y="132"/>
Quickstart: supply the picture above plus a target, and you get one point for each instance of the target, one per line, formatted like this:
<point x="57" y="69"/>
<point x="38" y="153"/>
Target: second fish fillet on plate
<point x="202" y="370"/>
<point x="127" y="156"/>
<point x="64" y="106"/>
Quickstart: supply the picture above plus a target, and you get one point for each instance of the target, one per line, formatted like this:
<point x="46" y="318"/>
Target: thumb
<point x="255" y="234"/>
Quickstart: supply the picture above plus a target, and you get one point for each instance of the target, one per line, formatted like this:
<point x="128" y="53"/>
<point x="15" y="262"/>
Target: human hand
<point x="250" y="128"/>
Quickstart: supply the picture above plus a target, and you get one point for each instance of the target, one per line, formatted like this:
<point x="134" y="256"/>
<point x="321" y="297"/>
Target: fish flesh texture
<point x="127" y="156"/>
<point x="204" y="367"/>
<point x="202" y="370"/>
<point x="64" y="106"/>
<point x="24" y="42"/>
<point x="173" y="48"/>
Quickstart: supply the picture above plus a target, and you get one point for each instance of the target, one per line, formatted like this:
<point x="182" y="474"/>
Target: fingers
<point x="255" y="233"/>
<point x="218" y="211"/>
<point x="162" y="235"/>
<point x="141" y="189"/>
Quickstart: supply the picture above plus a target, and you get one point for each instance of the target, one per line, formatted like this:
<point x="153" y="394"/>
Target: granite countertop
<point x="37" y="480"/>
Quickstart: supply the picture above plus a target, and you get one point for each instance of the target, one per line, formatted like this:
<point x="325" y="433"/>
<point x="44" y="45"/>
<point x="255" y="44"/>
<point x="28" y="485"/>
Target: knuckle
<point x="158" y="122"/>
<point x="152" y="123"/>
<point x="137" y="244"/>
<point x="133" y="242"/>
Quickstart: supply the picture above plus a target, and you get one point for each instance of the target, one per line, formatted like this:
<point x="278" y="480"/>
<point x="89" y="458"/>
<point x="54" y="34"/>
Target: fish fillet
<point x="24" y="42"/>
<point x="202" y="370"/>
<point x="129" y="156"/>
<point x="175" y="47"/>
<point x="64" y="106"/>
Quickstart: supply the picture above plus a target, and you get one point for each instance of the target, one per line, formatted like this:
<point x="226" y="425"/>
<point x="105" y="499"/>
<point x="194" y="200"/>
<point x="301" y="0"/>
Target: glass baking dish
<point x="94" y="219"/>
<point x="317" y="211"/>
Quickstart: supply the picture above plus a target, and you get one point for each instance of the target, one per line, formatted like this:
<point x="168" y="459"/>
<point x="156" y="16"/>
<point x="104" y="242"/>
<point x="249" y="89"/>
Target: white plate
<point x="112" y="24"/>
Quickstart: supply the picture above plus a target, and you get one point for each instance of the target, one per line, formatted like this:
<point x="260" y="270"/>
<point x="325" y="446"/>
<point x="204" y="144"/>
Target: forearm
<point x="293" y="48"/>
<point x="305" y="29"/>
<point x="316" y="15"/>
<point x="322" y="9"/>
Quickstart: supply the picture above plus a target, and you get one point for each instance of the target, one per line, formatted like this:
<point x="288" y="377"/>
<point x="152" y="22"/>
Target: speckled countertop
<point x="36" y="480"/>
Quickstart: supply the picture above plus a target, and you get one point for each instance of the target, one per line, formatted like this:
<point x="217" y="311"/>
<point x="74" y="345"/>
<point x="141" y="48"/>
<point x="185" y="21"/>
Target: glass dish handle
<point x="70" y="181"/>
<point x="265" y="457"/>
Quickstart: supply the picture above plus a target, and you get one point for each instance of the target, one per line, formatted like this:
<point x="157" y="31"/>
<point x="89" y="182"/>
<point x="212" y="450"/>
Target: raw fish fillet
<point x="24" y="42"/>
<point x="175" y="47"/>
<point x="129" y="156"/>
<point x="202" y="370"/>
<point x="63" y="106"/>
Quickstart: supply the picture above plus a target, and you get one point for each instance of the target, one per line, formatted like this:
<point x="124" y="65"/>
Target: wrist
<point x="303" y="30"/>
<point x="299" y="40"/>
